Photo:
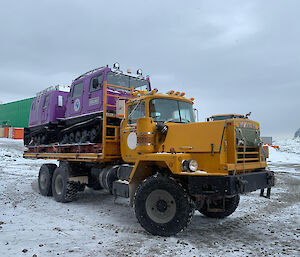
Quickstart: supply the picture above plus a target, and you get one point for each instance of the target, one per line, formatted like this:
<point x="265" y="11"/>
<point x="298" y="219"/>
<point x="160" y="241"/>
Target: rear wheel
<point x="230" y="206"/>
<point x="63" y="189"/>
<point x="45" y="179"/>
<point x="162" y="206"/>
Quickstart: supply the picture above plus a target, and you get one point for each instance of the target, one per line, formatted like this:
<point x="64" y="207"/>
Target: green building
<point x="15" y="114"/>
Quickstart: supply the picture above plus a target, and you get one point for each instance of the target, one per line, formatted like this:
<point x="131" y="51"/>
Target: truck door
<point x="45" y="109"/>
<point x="76" y="99"/>
<point x="95" y="100"/>
<point x="129" y="135"/>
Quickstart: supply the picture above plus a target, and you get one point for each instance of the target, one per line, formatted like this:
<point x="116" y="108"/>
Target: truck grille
<point x="247" y="154"/>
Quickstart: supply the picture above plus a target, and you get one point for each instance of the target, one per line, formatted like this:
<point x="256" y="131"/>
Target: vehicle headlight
<point x="189" y="165"/>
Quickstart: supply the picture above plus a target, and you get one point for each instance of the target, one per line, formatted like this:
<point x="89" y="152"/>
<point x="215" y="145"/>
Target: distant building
<point x="15" y="114"/>
<point x="267" y="140"/>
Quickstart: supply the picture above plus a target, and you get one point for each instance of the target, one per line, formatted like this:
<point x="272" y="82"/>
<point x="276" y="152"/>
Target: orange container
<point x="18" y="133"/>
<point x="6" y="132"/>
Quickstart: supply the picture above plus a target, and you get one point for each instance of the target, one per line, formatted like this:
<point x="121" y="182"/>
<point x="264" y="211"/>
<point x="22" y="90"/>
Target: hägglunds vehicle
<point x="73" y="114"/>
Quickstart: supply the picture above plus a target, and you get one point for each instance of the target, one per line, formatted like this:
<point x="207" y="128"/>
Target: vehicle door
<point x="129" y="135"/>
<point x="95" y="101"/>
<point x="45" y="109"/>
<point x="76" y="99"/>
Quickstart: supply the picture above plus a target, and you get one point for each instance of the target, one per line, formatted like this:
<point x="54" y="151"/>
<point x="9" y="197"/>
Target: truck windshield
<point x="169" y="110"/>
<point x="127" y="81"/>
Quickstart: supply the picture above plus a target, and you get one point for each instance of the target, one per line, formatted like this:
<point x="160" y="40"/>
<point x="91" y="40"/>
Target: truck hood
<point x="194" y="137"/>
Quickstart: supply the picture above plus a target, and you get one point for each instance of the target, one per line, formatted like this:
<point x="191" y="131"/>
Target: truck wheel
<point x="230" y="206"/>
<point x="162" y="206"/>
<point x="63" y="190"/>
<point x="45" y="179"/>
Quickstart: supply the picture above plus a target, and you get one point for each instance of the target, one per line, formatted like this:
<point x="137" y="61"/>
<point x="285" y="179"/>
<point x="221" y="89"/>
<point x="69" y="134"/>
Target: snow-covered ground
<point x="99" y="225"/>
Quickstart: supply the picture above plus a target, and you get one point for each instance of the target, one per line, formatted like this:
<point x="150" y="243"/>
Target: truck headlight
<point x="189" y="165"/>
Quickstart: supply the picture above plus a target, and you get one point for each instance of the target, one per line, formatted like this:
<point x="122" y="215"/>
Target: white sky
<point x="232" y="56"/>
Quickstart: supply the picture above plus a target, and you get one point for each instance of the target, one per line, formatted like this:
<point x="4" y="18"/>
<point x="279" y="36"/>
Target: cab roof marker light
<point x="154" y="91"/>
<point x="171" y="92"/>
<point x="177" y="93"/>
<point x="192" y="99"/>
<point x="128" y="71"/>
<point x="182" y="94"/>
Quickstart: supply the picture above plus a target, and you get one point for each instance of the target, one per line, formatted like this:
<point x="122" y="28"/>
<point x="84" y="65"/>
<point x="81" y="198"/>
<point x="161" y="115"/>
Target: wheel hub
<point x="160" y="206"/>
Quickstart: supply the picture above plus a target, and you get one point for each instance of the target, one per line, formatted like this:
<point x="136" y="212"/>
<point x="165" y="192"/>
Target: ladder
<point x="111" y="143"/>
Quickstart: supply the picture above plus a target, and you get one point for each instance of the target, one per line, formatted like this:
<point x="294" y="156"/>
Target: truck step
<point x="121" y="188"/>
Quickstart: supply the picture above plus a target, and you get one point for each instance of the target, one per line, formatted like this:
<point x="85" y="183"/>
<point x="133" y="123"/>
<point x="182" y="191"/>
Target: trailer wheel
<point x="230" y="206"/>
<point x="45" y="179"/>
<point x="162" y="206"/>
<point x="63" y="190"/>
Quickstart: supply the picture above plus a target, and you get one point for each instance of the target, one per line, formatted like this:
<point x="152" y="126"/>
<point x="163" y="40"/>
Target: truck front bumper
<point x="230" y="185"/>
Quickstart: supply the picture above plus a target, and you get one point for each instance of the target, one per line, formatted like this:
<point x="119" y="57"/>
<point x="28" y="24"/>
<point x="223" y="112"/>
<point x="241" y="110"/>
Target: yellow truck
<point x="154" y="153"/>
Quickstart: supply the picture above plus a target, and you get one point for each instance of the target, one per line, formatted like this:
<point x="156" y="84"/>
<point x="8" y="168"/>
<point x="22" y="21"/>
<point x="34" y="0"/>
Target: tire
<point x="63" y="190"/>
<point x="162" y="206"/>
<point x="230" y="206"/>
<point x="45" y="179"/>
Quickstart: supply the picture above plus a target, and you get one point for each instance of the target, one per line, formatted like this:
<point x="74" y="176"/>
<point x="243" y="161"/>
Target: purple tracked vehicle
<point x="73" y="114"/>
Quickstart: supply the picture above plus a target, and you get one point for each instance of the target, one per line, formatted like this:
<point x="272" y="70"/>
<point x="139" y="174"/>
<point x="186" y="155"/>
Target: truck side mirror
<point x="196" y="115"/>
<point x="120" y="108"/>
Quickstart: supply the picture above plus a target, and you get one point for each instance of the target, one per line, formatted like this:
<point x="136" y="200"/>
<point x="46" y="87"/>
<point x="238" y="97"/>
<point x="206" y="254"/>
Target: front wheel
<point x="230" y="206"/>
<point x="162" y="206"/>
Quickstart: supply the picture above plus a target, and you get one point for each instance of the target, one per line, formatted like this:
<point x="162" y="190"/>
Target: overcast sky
<point x="232" y="56"/>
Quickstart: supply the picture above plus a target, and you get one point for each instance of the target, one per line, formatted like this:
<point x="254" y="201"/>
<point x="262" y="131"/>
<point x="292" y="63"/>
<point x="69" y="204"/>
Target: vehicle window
<point x="127" y="81"/>
<point x="186" y="112"/>
<point x="135" y="111"/>
<point x="46" y="101"/>
<point x="96" y="83"/>
<point x="169" y="110"/>
<point x="77" y="90"/>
